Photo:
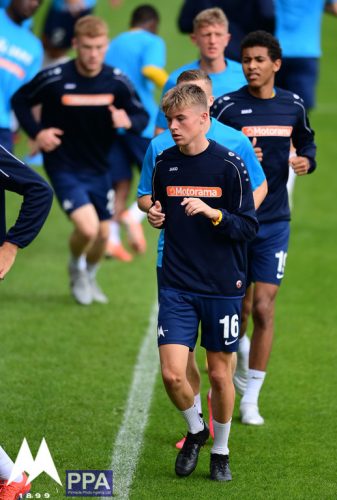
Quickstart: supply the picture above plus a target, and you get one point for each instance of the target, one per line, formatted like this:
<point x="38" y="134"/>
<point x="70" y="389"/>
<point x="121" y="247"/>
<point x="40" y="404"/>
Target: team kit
<point x="214" y="162"/>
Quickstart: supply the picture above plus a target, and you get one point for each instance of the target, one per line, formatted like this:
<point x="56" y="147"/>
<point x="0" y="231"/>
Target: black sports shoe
<point x="220" y="470"/>
<point x="187" y="457"/>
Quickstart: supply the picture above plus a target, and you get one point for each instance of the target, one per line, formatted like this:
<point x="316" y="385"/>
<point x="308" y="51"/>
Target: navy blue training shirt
<point x="37" y="199"/>
<point x="78" y="105"/>
<point x="198" y="256"/>
<point x="275" y="122"/>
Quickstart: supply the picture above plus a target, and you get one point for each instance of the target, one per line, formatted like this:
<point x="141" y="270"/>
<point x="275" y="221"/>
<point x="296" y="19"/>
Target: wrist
<point x="10" y="247"/>
<point x="217" y="218"/>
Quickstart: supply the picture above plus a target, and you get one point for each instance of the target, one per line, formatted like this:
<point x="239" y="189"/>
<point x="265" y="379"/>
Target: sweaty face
<point x="257" y="66"/>
<point x="186" y="124"/>
<point x="91" y="53"/>
<point x="211" y="40"/>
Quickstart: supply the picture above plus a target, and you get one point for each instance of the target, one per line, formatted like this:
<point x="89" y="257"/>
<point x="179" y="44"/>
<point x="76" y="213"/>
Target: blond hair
<point x="194" y="75"/>
<point x="184" y="96"/>
<point x="209" y="17"/>
<point x="91" y="26"/>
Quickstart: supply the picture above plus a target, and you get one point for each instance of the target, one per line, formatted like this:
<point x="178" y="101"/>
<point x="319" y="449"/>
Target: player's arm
<point x="303" y="141"/>
<point x="144" y="191"/>
<point x="156" y="213"/>
<point x="128" y="111"/>
<point x="37" y="199"/>
<point x="153" y="62"/>
<point x="23" y="103"/>
<point x="260" y="193"/>
<point x="239" y="221"/>
<point x="157" y="75"/>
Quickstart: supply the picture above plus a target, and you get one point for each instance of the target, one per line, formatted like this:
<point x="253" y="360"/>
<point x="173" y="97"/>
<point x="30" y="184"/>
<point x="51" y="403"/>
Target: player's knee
<point x="263" y="312"/>
<point x="172" y="379"/>
<point x="219" y="378"/>
<point x="89" y="232"/>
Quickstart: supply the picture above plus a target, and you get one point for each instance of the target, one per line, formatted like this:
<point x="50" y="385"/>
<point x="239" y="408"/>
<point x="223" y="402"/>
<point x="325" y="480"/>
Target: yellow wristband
<point x="219" y="219"/>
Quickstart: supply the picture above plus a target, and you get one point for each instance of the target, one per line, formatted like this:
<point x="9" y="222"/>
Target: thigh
<point x="220" y="323"/>
<point x="177" y="318"/>
<point x="120" y="165"/>
<point x="267" y="254"/>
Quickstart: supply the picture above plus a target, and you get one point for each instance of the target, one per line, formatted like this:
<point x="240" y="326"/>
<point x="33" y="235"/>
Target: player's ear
<point x="193" y="38"/>
<point x="277" y="65"/>
<point x="74" y="43"/>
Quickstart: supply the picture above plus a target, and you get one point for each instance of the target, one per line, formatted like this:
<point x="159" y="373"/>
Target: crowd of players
<point x="213" y="179"/>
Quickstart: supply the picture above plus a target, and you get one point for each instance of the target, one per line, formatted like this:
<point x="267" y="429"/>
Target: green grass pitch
<point x="65" y="370"/>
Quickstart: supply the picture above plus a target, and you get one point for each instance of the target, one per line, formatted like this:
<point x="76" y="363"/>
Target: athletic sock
<point x="197" y="402"/>
<point x="6" y="467"/>
<point x="114" y="236"/>
<point x="221" y="435"/>
<point x="193" y="420"/>
<point x="92" y="270"/>
<point x="254" y="384"/>
<point x="78" y="263"/>
<point x="136" y="214"/>
<point x="244" y="344"/>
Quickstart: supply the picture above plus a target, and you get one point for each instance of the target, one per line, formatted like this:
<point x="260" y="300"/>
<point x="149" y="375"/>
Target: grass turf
<point x="65" y="370"/>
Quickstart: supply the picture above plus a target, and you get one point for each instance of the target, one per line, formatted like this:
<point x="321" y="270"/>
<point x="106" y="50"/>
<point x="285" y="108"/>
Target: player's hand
<point x="258" y="151"/>
<point x="155" y="216"/>
<point x="194" y="206"/>
<point x="48" y="139"/>
<point x="300" y="164"/>
<point x="7" y="257"/>
<point x="120" y="118"/>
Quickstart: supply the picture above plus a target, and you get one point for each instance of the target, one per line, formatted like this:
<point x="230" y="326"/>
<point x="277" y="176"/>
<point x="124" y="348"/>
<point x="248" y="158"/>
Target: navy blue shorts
<point x="59" y="27"/>
<point x="300" y="75"/>
<point x="267" y="253"/>
<point x="75" y="189"/>
<point x="181" y="312"/>
<point x="129" y="150"/>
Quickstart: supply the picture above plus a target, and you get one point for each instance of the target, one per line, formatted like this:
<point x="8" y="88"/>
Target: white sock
<point x="254" y="384"/>
<point x="92" y="270"/>
<point x="135" y="213"/>
<point x="78" y="262"/>
<point x="197" y="402"/>
<point x="193" y="420"/>
<point x="244" y="344"/>
<point x="221" y="434"/>
<point x="114" y="235"/>
<point x="6" y="467"/>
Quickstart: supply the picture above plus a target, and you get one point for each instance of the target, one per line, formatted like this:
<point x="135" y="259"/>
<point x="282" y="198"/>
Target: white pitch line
<point x="129" y="440"/>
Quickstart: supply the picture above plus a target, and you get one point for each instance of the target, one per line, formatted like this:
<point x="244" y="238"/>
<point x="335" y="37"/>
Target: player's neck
<point x="14" y="16"/>
<point x="264" y="92"/>
<point x="84" y="71"/>
<point x="213" y="66"/>
<point x="195" y="147"/>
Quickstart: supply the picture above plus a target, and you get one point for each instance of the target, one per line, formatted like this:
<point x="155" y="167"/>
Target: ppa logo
<point x="89" y="483"/>
<point x="42" y="463"/>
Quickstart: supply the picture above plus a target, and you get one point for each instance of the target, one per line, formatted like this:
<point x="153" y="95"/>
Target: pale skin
<point x="89" y="235"/>
<point x="211" y="40"/>
<point x="187" y="128"/>
<point x="260" y="299"/>
<point x="8" y="253"/>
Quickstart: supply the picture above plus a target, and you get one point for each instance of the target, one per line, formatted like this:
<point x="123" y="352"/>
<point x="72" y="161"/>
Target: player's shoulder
<point x="192" y="65"/>
<point x="226" y="156"/>
<point x="288" y="97"/>
<point x="167" y="154"/>
<point x="117" y="75"/>
<point x="53" y="73"/>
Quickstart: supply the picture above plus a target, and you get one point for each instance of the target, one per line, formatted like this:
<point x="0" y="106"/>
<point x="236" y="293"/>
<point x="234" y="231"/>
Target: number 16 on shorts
<point x="231" y="328"/>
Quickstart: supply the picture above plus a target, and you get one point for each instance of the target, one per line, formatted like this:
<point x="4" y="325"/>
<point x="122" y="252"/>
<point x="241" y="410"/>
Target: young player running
<point x="224" y="135"/>
<point x="83" y="103"/>
<point x="202" y="196"/>
<point x="275" y="117"/>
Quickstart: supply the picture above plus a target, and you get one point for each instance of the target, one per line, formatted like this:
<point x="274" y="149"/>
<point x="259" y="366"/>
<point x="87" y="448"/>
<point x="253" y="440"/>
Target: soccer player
<point x="210" y="35"/>
<point x="37" y="199"/>
<point x="226" y="136"/>
<point x="141" y="54"/>
<point x="83" y="103"/>
<point x="275" y="117"/>
<point x="20" y="59"/>
<point x="202" y="196"/>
